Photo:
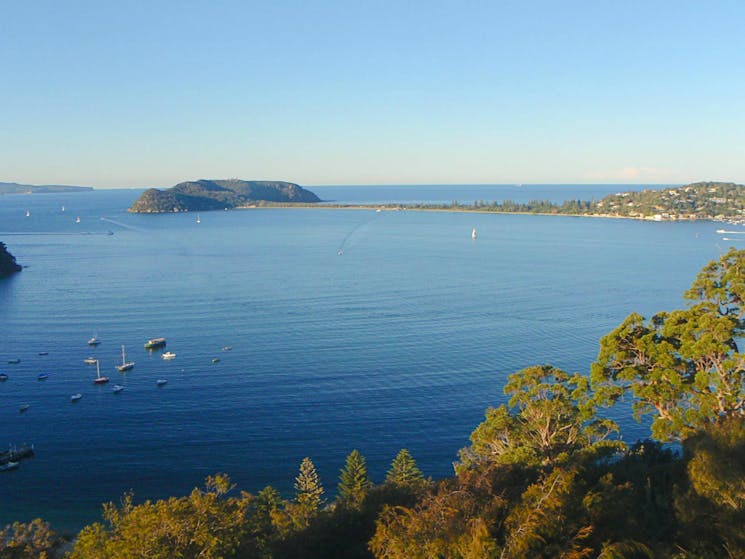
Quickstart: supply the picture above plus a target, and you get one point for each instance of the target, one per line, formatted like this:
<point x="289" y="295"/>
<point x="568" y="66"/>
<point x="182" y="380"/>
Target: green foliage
<point x="550" y="416"/>
<point x="683" y="368"/>
<point x="446" y="523"/>
<point x="205" y="524"/>
<point x="626" y="550"/>
<point x="717" y="465"/>
<point x="33" y="540"/>
<point x="404" y="470"/>
<point x="205" y="195"/>
<point x="353" y="481"/>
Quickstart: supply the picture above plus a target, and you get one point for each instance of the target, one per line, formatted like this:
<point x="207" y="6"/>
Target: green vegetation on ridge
<point x="701" y="200"/>
<point x="545" y="475"/>
<point x="16" y="188"/>
<point x="204" y="195"/>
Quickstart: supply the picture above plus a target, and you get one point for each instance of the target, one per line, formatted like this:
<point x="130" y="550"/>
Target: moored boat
<point x="90" y="360"/>
<point x="75" y="397"/>
<point x="42" y="376"/>
<point x="161" y="382"/>
<point x="13" y="361"/>
<point x="126" y="365"/>
<point x="155" y="343"/>
<point x="99" y="379"/>
<point x="9" y="466"/>
<point x="3" y="377"/>
<point x="23" y="408"/>
<point x="94" y="341"/>
<point x="169" y="355"/>
<point x="117" y="388"/>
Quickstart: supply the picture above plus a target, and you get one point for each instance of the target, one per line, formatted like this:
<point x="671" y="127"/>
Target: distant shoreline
<point x="401" y="208"/>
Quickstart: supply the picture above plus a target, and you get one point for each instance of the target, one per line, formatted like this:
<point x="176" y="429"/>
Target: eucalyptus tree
<point x="549" y="417"/>
<point x="683" y="368"/>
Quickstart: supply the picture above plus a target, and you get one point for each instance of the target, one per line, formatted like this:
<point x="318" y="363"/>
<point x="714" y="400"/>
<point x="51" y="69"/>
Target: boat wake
<point x="345" y="242"/>
<point x="123" y="225"/>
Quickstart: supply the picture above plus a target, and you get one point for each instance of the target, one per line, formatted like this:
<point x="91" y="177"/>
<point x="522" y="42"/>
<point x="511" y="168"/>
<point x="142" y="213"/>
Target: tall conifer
<point x="353" y="480"/>
<point x="404" y="469"/>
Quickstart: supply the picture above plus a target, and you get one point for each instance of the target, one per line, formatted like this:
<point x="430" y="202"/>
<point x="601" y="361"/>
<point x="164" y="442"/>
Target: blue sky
<point x="148" y="93"/>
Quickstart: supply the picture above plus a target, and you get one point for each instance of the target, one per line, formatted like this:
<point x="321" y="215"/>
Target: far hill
<point x="722" y="201"/>
<point x="16" y="188"/>
<point x="203" y="195"/>
<point x="699" y="200"/>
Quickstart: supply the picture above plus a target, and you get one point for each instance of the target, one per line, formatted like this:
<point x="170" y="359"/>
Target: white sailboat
<point x="473" y="233"/>
<point x="99" y="379"/>
<point x="125" y="366"/>
<point x="28" y="213"/>
<point x="198" y="220"/>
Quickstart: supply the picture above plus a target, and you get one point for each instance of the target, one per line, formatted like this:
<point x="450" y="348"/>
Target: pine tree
<point x="308" y="488"/>
<point x="353" y="480"/>
<point x="404" y="469"/>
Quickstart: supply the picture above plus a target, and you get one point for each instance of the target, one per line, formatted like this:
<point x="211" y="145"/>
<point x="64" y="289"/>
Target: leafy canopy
<point x="683" y="368"/>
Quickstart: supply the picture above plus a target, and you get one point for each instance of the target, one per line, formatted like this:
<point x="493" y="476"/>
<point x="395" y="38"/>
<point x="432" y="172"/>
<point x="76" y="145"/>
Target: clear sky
<point x="150" y="93"/>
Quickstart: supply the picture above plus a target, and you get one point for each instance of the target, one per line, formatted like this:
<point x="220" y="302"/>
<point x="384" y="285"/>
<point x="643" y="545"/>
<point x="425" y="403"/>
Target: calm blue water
<point x="402" y="341"/>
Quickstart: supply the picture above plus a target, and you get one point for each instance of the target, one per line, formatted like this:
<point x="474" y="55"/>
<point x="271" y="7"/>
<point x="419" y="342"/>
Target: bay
<point x="403" y="340"/>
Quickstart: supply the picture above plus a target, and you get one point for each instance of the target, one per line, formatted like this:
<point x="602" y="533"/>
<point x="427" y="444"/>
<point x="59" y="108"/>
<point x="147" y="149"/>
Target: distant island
<point x="16" y="188"/>
<point x="8" y="265"/>
<point x="204" y="195"/>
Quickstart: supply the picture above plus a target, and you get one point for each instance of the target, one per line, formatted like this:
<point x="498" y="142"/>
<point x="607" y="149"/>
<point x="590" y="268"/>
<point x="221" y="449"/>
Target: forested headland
<point x="205" y="195"/>
<point x="545" y="475"/>
<point x="700" y="200"/>
<point x="8" y="264"/>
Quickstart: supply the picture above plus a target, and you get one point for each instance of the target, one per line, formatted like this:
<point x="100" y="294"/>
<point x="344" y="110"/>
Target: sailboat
<point x="99" y="379"/>
<point x="63" y="208"/>
<point x="125" y="366"/>
<point x="77" y="220"/>
<point x="198" y="220"/>
<point x="473" y="233"/>
<point x="28" y="213"/>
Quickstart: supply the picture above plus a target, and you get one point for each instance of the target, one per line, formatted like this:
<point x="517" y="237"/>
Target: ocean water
<point x="403" y="340"/>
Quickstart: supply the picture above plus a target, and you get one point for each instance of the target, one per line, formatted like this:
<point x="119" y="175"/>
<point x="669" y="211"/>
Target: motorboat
<point x="155" y="343"/>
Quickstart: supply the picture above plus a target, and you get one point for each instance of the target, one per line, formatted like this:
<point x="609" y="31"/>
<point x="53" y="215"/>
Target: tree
<point x="404" y="470"/>
<point x="308" y="491"/>
<point x="550" y="416"/>
<point x="353" y="480"/>
<point x="33" y="540"/>
<point x="684" y="367"/>
<point x="205" y="524"/>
